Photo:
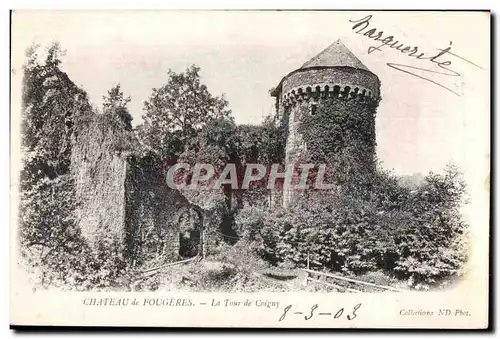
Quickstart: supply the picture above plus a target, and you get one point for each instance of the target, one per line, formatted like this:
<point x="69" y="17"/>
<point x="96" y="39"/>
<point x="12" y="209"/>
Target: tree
<point x="50" y="104"/>
<point x="115" y="104"/>
<point x="115" y="98"/>
<point x="177" y="111"/>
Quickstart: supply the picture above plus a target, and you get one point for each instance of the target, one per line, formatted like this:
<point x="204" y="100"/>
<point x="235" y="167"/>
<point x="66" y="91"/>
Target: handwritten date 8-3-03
<point x="314" y="311"/>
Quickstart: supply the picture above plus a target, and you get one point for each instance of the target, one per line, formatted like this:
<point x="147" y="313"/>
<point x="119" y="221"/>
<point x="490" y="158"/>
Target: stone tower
<point x="333" y="74"/>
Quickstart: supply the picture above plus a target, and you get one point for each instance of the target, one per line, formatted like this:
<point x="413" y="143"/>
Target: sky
<point x="420" y="125"/>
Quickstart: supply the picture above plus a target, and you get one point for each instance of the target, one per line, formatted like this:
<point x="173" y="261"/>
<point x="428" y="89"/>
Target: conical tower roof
<point x="335" y="55"/>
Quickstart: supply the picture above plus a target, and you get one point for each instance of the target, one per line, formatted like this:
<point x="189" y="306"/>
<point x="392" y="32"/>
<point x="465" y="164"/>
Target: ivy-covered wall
<point x="153" y="213"/>
<point x="342" y="131"/>
<point x="338" y="132"/>
<point x="122" y="196"/>
<point x="99" y="168"/>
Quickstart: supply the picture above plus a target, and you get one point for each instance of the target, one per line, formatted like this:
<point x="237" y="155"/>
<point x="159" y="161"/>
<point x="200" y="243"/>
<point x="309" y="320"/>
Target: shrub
<point x="416" y="235"/>
<point x="81" y="269"/>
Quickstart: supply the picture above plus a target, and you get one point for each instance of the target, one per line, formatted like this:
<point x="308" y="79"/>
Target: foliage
<point x="50" y="105"/>
<point x="176" y="111"/>
<point x="47" y="191"/>
<point x="215" y="144"/>
<point x="184" y="122"/>
<point x="413" y="235"/>
<point x="54" y="110"/>
<point x="342" y="134"/>
<point x="115" y="104"/>
<point x="435" y="245"/>
<point x="79" y="267"/>
<point x="46" y="214"/>
<point x="262" y="144"/>
<point x="221" y="142"/>
<point x="52" y="244"/>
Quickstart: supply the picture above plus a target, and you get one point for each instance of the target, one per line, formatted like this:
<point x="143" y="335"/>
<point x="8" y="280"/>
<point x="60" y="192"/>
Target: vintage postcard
<point x="277" y="169"/>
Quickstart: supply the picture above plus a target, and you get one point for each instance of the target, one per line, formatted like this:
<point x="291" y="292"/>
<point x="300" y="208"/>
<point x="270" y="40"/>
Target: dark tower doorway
<point x="190" y="228"/>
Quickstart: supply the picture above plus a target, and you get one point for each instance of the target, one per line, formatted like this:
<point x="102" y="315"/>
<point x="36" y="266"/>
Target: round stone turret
<point x="333" y="74"/>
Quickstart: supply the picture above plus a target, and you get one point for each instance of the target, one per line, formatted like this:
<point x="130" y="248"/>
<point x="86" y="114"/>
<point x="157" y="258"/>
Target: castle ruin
<point x="124" y="197"/>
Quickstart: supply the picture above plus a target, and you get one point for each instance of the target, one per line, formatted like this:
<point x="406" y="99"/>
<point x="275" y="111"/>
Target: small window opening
<point x="314" y="109"/>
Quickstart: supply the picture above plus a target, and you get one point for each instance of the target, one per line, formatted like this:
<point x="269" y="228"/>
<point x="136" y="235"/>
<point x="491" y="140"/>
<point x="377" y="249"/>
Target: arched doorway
<point x="190" y="224"/>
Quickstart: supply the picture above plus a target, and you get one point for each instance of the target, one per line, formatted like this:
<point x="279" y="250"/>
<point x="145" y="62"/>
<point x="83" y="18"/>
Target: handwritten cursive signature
<point x="443" y="66"/>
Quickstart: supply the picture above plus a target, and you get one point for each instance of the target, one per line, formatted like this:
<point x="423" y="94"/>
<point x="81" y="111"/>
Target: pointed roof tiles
<point x="337" y="54"/>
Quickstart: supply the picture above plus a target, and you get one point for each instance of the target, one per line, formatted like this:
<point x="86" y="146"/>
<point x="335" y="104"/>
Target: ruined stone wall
<point x="122" y="196"/>
<point x="152" y="213"/>
<point x="99" y="172"/>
